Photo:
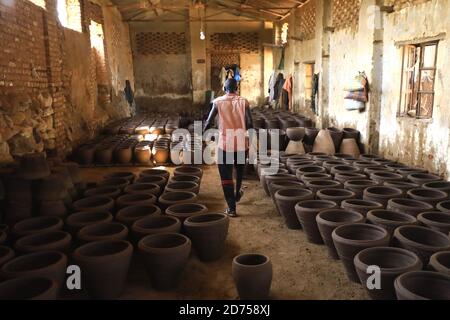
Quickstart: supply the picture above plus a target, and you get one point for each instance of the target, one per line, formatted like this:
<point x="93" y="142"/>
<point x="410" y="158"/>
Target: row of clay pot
<point x="307" y="197"/>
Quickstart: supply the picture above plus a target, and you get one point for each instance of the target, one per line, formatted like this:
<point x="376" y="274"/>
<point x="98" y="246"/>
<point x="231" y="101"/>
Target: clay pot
<point x="328" y="164"/>
<point x="381" y="194"/>
<point x="85" y="154"/>
<point x="44" y="241"/>
<point x="405" y="172"/>
<point x="295" y="133"/>
<point x="190" y="170"/>
<point x="52" y="208"/>
<point x="360" y="206"/>
<point x="316" y="185"/>
<point x="110" y="192"/>
<point x="369" y="170"/>
<point x="349" y="146"/>
<point x="308" y="169"/>
<point x="185" y="178"/>
<point x="336" y="195"/>
<point x="440" y="262"/>
<point x="361" y="164"/>
<point x="155" y="172"/>
<point x="183" y="186"/>
<point x="51" y="188"/>
<point x="286" y="200"/>
<point x="422" y="285"/>
<point x="352" y="238"/>
<point x="438" y="185"/>
<point x="252" y="275"/>
<point x="208" y="233"/>
<point x="382" y="176"/>
<point x="146" y="188"/>
<point x="443" y="206"/>
<point x="430" y="196"/>
<point x="97" y="203"/>
<point x="343" y="177"/>
<point x="35" y="225"/>
<point x="102" y="231"/>
<point x="343" y="169"/>
<point x="328" y="220"/>
<point x="176" y="197"/>
<point x="50" y="264"/>
<point x="122" y="175"/>
<point x="350" y="133"/>
<point x="343" y="156"/>
<point x="315" y="176"/>
<point x="402" y="185"/>
<point x="119" y="183"/>
<point x="390" y="220"/>
<point x="369" y="157"/>
<point x="439" y="221"/>
<point x="104" y="154"/>
<point x="33" y="166"/>
<point x="64" y="173"/>
<point x="310" y="135"/>
<point x="392" y="263"/>
<point x="183" y="211"/>
<point x="165" y="256"/>
<point x="29" y="288"/>
<point x="130" y="214"/>
<point x="155" y="224"/>
<point x="277" y="185"/>
<point x="358" y="186"/>
<point x="6" y="254"/>
<point x="421" y="178"/>
<point x="143" y="154"/>
<point x="277" y="178"/>
<point x="306" y="212"/>
<point x="17" y="211"/>
<point x="78" y="220"/>
<point x="420" y="240"/>
<point x="336" y="135"/>
<point x="135" y="199"/>
<point x="408" y="206"/>
<point x="324" y="143"/>
<point x="105" y="267"/>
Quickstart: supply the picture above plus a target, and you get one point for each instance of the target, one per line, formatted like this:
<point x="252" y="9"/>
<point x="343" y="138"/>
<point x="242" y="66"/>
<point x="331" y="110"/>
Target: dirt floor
<point x="300" y="270"/>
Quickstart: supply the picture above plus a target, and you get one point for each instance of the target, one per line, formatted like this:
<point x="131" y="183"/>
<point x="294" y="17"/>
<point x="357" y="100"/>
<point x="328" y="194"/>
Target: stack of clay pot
<point x="367" y="211"/>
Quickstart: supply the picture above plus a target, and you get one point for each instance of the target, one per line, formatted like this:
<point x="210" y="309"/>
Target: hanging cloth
<point x="315" y="93"/>
<point x="288" y="85"/>
<point x="272" y="81"/>
<point x="278" y="87"/>
<point x="223" y="76"/>
<point x="281" y="64"/>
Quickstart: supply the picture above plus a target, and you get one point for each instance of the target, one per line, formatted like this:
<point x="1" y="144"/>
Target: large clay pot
<point x="105" y="267"/>
<point x="108" y="191"/>
<point x="146" y="188"/>
<point x="44" y="241"/>
<point x="155" y="172"/>
<point x="183" y="186"/>
<point x="277" y="185"/>
<point x="35" y="225"/>
<point x="286" y="200"/>
<point x="439" y="221"/>
<point x="438" y="185"/>
<point x="135" y="199"/>
<point x="51" y="264"/>
<point x="440" y="262"/>
<point x="29" y="288"/>
<point x="119" y="183"/>
<point x="183" y="211"/>
<point x="130" y="214"/>
<point x="315" y="176"/>
<point x="420" y="240"/>
<point x="335" y="195"/>
<point x="191" y="170"/>
<point x="155" y="224"/>
<point x="351" y="133"/>
<point x="402" y="185"/>
<point x="392" y="263"/>
<point x="422" y="285"/>
<point x="328" y="220"/>
<point x="361" y="206"/>
<point x="252" y="275"/>
<point x="381" y="194"/>
<point x="352" y="238"/>
<point x="185" y="178"/>
<point x="208" y="233"/>
<point x="350" y="146"/>
<point x="421" y="178"/>
<point x="336" y="135"/>
<point x="97" y="203"/>
<point x="430" y="196"/>
<point x="390" y="220"/>
<point x="6" y="254"/>
<point x="102" y="231"/>
<point x="310" y="135"/>
<point x="306" y="212"/>
<point x="316" y="185"/>
<point x="408" y="206"/>
<point x="170" y="198"/>
<point x="78" y="220"/>
<point x="358" y="186"/>
<point x="324" y="143"/>
<point x="165" y="256"/>
<point x="130" y="176"/>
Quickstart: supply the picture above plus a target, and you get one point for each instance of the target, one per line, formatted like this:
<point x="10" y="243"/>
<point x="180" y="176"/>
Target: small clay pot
<point x="252" y="275"/>
<point x="6" y="254"/>
<point x="310" y="135"/>
<point x="104" y="155"/>
<point x="135" y="199"/>
<point x="277" y="185"/>
<point x="362" y="164"/>
<point x="51" y="264"/>
<point x="44" y="241"/>
<point x="146" y="188"/>
<point x="306" y="212"/>
<point x="336" y="195"/>
<point x="430" y="196"/>
<point x="183" y="186"/>
<point x="107" y="191"/>
<point x="443" y="206"/>
<point x="208" y="233"/>
<point x="438" y="185"/>
<point x="165" y="256"/>
<point x="191" y="170"/>
<point x="420" y="240"/>
<point x="143" y="154"/>
<point x="119" y="183"/>
<point x="402" y="185"/>
<point x="105" y="266"/>
<point x="155" y="172"/>
<point x="35" y="225"/>
<point x="439" y="221"/>
<point x="381" y="194"/>
<point x="360" y="206"/>
<point x="390" y="220"/>
<point x="422" y="285"/>
<point x="369" y="170"/>
<point x="182" y="211"/>
<point x="176" y="197"/>
<point x="421" y="178"/>
<point x="343" y="169"/>
<point x="328" y="164"/>
<point x="29" y="288"/>
<point x="316" y="185"/>
<point x="155" y="224"/>
<point x="185" y="178"/>
<point x="405" y="172"/>
<point x="343" y="177"/>
<point x="392" y="263"/>
<point x="130" y="214"/>
<point x="78" y="220"/>
<point x="328" y="220"/>
<point x="358" y="186"/>
<point x="382" y="176"/>
<point x="102" y="231"/>
<point x="53" y="208"/>
<point x="352" y="238"/>
<point x="130" y="176"/>
<point x="286" y="200"/>
<point x="158" y="180"/>
<point x="85" y="154"/>
<point x="308" y="169"/>
<point x="440" y="262"/>
<point x="408" y="206"/>
<point x="97" y="203"/>
<point x="315" y="176"/>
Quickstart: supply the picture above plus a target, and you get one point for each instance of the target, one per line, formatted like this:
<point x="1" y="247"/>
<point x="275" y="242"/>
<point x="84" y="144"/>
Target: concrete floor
<point x="300" y="270"/>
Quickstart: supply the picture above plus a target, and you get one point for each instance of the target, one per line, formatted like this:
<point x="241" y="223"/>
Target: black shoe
<point x="231" y="213"/>
<point x="239" y="195"/>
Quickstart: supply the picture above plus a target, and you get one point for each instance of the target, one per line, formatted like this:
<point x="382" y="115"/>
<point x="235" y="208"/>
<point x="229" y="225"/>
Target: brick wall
<point x="345" y="14"/>
<point x="306" y="15"/>
<point x="400" y="4"/>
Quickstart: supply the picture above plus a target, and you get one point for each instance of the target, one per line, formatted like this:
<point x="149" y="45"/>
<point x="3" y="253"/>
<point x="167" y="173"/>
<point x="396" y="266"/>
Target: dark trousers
<point x="226" y="162"/>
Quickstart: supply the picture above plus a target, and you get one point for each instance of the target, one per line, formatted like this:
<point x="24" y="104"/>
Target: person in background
<point x="234" y="119"/>
<point x="129" y="96"/>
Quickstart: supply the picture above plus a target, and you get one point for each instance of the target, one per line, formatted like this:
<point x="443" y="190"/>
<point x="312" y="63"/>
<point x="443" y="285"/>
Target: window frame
<point x="311" y="64"/>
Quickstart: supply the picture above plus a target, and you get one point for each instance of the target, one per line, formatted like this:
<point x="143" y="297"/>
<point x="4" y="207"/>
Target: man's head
<point x="231" y="86"/>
